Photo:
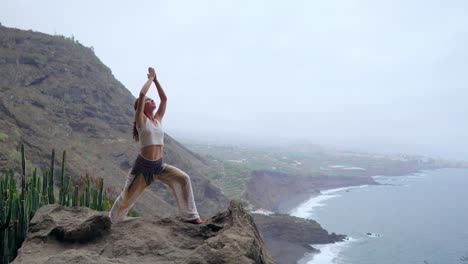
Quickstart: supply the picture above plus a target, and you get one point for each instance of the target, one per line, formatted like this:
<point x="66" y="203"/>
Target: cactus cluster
<point x="19" y="200"/>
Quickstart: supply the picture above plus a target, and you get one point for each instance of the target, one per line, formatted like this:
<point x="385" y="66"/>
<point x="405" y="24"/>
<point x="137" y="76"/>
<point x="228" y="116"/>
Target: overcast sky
<point x="385" y="76"/>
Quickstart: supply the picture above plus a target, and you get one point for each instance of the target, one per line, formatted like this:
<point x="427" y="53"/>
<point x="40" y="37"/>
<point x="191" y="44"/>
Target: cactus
<point x="23" y="161"/>
<point x="33" y="192"/>
<point x="68" y="191"/>
<point x="100" y="195"/>
<point x="75" y="197"/>
<point x="12" y="228"/>
<point x="17" y="206"/>
<point x="63" y="184"/>
<point x="94" y="202"/>
<point x="23" y="176"/>
<point x="44" y="197"/>
<point x="51" y="179"/>
<point x="82" y="199"/>
<point x="68" y="200"/>
<point x="88" y="191"/>
<point x="62" y="176"/>
<point x="37" y="190"/>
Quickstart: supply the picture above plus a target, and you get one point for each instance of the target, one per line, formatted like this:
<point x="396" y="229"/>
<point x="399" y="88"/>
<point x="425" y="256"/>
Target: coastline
<point x="282" y="193"/>
<point x="288" y="237"/>
<point x="273" y="191"/>
<point x="285" y="206"/>
<point x="293" y="203"/>
<point x="325" y="252"/>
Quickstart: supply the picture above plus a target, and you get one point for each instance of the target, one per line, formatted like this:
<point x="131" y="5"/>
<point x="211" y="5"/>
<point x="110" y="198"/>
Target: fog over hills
<point x="380" y="76"/>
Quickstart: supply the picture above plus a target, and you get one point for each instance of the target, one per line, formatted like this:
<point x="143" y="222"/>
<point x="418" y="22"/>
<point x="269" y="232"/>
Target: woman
<point x="148" y="166"/>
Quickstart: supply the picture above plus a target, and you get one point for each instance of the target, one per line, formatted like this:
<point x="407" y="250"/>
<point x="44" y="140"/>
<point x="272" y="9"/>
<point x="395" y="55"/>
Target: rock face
<point x="79" y="235"/>
<point x="288" y="238"/>
<point x="56" y="93"/>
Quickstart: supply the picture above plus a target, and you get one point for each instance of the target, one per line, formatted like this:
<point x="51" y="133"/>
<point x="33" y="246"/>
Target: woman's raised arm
<point x="141" y="100"/>
<point x="162" y="96"/>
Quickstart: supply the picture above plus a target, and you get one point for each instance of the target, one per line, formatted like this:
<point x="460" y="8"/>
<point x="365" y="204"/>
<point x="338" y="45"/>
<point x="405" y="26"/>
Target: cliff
<point x="288" y="238"/>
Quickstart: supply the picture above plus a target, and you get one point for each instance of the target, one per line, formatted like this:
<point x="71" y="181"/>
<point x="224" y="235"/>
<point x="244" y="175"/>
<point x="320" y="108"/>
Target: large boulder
<point x="60" y="234"/>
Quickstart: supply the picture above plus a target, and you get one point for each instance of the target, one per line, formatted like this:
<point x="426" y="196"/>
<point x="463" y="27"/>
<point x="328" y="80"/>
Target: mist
<point x="378" y="76"/>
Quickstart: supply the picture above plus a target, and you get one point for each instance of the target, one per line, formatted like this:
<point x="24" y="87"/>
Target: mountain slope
<point x="55" y="93"/>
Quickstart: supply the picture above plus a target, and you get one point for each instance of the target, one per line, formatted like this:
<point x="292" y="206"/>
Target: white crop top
<point x="151" y="134"/>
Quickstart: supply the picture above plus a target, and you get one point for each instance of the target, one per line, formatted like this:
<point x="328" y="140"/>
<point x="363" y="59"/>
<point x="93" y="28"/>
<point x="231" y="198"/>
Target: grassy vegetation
<point x="235" y="179"/>
<point x="3" y="137"/>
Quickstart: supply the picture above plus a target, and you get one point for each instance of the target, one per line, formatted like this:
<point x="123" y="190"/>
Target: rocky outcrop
<point x="79" y="235"/>
<point x="288" y="238"/>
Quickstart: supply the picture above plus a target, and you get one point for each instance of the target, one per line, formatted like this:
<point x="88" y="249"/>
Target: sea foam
<point x="329" y="253"/>
<point x="307" y="209"/>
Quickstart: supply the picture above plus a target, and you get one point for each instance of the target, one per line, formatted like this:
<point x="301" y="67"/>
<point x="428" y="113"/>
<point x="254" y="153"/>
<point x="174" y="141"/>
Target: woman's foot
<point x="197" y="221"/>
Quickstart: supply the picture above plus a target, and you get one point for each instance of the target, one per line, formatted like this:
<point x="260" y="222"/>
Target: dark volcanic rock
<point x="230" y="236"/>
<point x="288" y="238"/>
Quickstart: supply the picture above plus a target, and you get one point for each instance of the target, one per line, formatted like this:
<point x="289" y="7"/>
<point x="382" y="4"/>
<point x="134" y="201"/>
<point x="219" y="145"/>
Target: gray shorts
<point x="146" y="168"/>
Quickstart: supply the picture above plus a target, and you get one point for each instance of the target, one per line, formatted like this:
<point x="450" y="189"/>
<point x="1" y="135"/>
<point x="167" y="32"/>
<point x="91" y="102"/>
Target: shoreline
<point x="286" y="206"/>
<point x="294" y="202"/>
<point x="329" y="248"/>
<point x="326" y="249"/>
<point x="282" y="193"/>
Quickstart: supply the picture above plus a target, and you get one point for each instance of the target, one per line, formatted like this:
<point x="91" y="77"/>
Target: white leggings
<point x="171" y="176"/>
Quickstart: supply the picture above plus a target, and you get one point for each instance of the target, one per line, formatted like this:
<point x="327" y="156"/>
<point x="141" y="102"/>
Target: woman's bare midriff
<point x="152" y="152"/>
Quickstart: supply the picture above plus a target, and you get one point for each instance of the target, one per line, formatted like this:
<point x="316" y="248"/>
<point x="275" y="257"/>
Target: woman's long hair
<point x="136" y="137"/>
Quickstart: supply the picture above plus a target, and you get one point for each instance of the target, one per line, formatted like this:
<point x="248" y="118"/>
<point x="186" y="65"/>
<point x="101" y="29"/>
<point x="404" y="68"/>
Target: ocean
<point x="407" y="219"/>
